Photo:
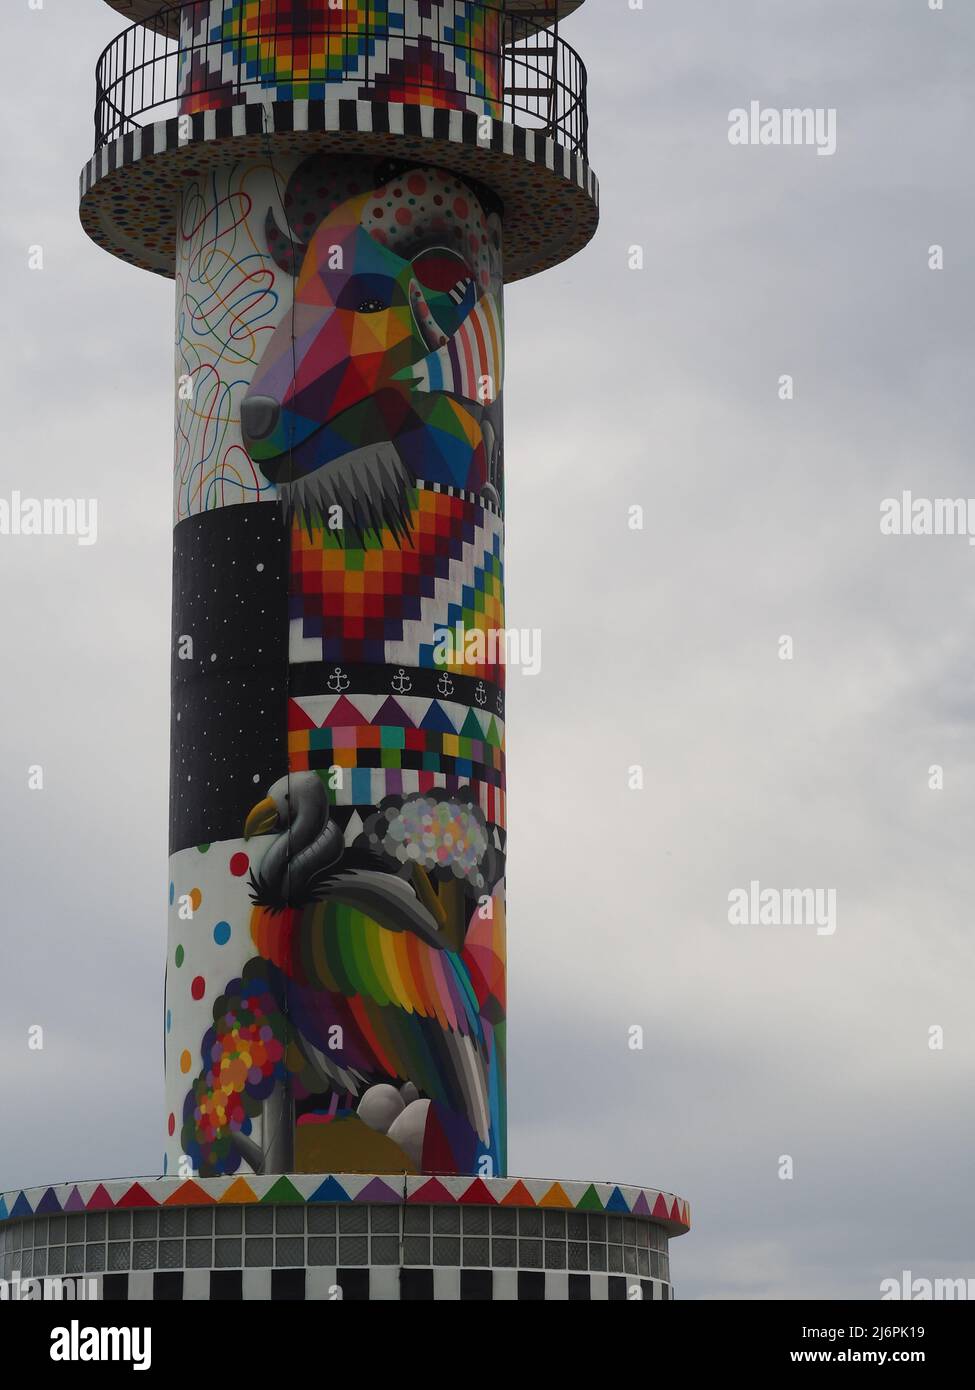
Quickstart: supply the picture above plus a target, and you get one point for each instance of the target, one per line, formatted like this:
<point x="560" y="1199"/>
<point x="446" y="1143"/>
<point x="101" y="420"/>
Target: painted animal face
<point x="388" y="367"/>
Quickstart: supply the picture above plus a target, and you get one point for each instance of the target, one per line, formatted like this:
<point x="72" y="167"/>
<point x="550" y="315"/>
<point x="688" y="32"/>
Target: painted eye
<point x="365" y="293"/>
<point x="444" y="272"/>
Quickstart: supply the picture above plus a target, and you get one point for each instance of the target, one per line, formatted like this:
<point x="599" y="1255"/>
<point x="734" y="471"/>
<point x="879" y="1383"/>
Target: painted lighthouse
<point x="340" y="192"/>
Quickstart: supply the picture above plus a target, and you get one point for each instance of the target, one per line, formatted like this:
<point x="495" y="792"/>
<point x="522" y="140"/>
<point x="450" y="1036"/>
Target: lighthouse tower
<point x="340" y="190"/>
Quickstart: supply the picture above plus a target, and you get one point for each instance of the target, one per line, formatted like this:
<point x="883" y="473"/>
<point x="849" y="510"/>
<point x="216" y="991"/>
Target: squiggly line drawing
<point x="227" y="304"/>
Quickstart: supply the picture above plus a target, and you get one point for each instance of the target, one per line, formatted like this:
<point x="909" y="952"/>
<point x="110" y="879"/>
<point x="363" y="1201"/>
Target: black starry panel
<point x="230" y="669"/>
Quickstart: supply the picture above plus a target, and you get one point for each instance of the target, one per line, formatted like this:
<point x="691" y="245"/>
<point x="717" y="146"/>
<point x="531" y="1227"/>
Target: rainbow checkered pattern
<point x="357" y="599"/>
<point x="476" y="36"/>
<point x="299" y="49"/>
<point x="425" y="52"/>
<point x="391" y="755"/>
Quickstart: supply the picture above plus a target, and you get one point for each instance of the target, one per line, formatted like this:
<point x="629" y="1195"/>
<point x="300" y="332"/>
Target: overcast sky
<point x="660" y="648"/>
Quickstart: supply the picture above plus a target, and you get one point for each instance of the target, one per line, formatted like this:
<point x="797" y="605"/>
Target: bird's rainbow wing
<point x="345" y="951"/>
<point x="408" y="1011"/>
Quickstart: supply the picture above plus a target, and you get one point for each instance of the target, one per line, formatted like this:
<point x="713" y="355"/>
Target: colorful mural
<point x="442" y="53"/>
<point x="335" y="991"/>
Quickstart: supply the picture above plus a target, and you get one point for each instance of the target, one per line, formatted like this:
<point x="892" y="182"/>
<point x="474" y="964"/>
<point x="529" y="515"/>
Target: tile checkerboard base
<point x="331" y="1237"/>
<point x="376" y="1285"/>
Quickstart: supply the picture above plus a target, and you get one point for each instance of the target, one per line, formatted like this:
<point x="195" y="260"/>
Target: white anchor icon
<point x="338" y="681"/>
<point x="445" y="685"/>
<point x="480" y="694"/>
<point x="401" y="682"/>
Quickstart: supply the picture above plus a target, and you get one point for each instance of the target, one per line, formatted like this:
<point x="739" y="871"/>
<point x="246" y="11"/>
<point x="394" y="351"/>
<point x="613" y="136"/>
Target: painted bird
<point x="376" y="954"/>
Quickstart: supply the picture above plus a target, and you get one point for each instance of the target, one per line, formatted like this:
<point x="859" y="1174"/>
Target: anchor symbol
<point x="401" y="682"/>
<point x="338" y="681"/>
<point x="500" y="703"/>
<point x="480" y="694"/>
<point x="445" y="685"/>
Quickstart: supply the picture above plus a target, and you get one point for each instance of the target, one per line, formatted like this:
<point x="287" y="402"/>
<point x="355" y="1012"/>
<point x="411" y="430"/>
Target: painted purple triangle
<point x="393" y="715"/>
<point x="378" y="1191"/>
<point x="74" y="1202"/>
<point x="49" y="1203"/>
<point x="641" y="1207"/>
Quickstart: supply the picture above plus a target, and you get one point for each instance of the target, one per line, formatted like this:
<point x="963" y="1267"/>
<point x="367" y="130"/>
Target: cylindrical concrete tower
<point x="341" y="192"/>
<point x="340" y="200"/>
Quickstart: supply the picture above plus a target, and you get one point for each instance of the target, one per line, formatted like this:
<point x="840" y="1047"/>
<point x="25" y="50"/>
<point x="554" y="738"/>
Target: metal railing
<point x="517" y="67"/>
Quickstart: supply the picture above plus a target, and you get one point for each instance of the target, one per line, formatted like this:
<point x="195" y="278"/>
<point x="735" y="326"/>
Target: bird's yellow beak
<point x="262" y="819"/>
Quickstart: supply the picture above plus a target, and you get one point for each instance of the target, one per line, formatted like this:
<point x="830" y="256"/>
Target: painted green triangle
<point x="492" y="735"/>
<point x="283" y="1191"/>
<point x="590" y="1200"/>
<point x="472" y="728"/>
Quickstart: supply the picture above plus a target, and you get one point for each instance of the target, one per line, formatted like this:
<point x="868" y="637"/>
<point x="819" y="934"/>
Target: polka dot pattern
<point x="432" y="201"/>
<point x="205" y="953"/>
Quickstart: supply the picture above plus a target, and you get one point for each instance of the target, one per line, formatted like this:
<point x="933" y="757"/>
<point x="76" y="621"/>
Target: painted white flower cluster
<point x="436" y="834"/>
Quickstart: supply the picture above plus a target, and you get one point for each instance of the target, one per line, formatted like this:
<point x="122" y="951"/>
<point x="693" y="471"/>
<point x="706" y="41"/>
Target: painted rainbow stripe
<point x="474" y="355"/>
<point x="127" y="1194"/>
<point x="353" y="957"/>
